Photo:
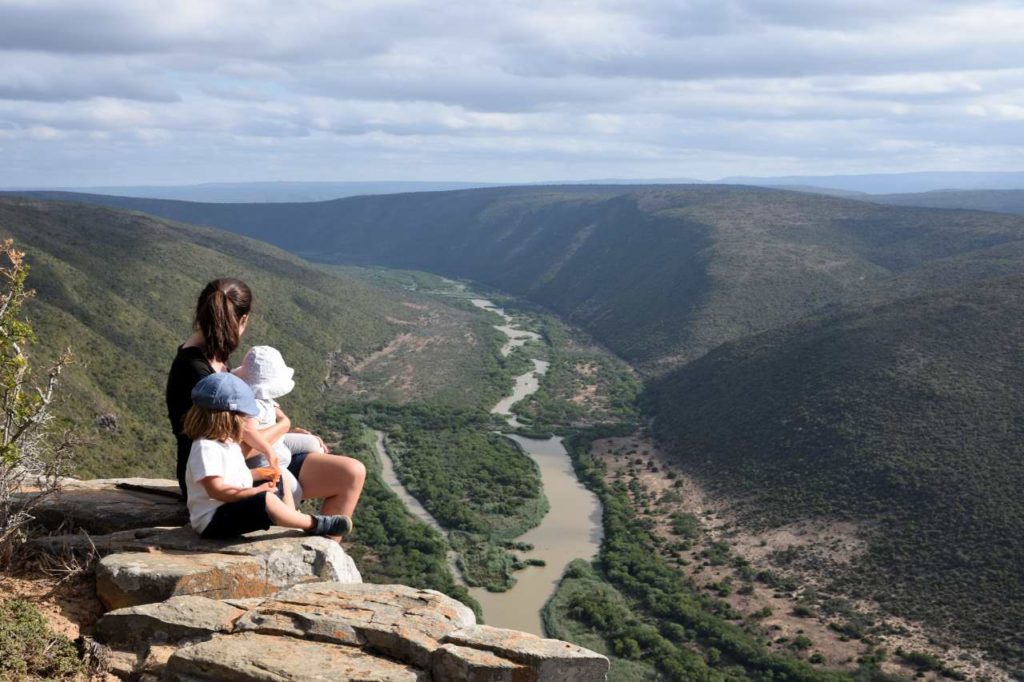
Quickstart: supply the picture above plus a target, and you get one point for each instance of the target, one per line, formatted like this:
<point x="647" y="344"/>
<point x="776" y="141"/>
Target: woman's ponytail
<point x="219" y="312"/>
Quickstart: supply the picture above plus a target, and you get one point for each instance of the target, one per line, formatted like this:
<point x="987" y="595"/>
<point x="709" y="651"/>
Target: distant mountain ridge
<point x="661" y="274"/>
<point x="260" y="192"/>
<point x="892" y="183"/>
<point x="996" y="200"/>
<point x="299" y="191"/>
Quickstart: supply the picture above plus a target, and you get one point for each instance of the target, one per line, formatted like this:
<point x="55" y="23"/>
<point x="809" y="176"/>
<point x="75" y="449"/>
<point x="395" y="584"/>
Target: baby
<point x="266" y="373"/>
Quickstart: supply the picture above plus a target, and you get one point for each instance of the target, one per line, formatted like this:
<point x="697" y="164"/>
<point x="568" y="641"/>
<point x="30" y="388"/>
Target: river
<point x="570" y="530"/>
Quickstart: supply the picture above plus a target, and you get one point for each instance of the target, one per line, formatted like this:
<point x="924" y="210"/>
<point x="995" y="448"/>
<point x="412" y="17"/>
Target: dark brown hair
<point x="220" y="308"/>
<point x="222" y="425"/>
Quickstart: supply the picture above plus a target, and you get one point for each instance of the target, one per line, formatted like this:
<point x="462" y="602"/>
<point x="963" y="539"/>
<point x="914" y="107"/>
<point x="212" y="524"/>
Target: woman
<point x="222" y="314"/>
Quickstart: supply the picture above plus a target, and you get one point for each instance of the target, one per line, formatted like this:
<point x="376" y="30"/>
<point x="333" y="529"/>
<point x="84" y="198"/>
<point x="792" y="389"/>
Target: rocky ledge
<point x="279" y="605"/>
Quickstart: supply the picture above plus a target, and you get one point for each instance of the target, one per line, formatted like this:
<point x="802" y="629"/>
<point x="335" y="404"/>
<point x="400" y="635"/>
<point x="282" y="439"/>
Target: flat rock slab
<point x="401" y="622"/>
<point x="252" y="657"/>
<point x="99" y="506"/>
<point x="171" y="621"/>
<point x="156" y="564"/>
<point x="551" y="659"/>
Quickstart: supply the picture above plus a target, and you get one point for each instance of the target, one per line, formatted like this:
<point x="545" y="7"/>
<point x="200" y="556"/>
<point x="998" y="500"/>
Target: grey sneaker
<point x="331" y="525"/>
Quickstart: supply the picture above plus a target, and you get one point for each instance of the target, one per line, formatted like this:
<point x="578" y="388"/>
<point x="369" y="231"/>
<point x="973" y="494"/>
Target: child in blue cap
<point x="222" y="501"/>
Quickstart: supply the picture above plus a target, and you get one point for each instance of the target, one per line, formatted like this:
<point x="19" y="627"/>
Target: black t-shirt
<point x="189" y="366"/>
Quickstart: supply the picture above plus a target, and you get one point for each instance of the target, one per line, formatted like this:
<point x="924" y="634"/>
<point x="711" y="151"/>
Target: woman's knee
<point x="356" y="470"/>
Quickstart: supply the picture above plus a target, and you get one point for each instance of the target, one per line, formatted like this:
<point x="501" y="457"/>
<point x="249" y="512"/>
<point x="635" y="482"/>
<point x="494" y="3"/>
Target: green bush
<point x="29" y="649"/>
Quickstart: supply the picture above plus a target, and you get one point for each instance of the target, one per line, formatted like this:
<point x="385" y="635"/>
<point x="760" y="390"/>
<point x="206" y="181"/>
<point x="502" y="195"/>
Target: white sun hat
<point x="264" y="370"/>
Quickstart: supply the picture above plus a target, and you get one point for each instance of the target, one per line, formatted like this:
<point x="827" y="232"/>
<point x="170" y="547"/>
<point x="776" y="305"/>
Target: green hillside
<point x="906" y="418"/>
<point x="659" y="274"/>
<point x="119" y="289"/>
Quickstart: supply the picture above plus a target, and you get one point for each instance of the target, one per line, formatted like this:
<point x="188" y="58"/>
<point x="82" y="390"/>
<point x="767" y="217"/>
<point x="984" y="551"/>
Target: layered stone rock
<point x="551" y="659"/>
<point x="252" y="657"/>
<point x="273" y="605"/>
<point x="112" y="504"/>
<point x="171" y="621"/>
<point x="453" y="662"/>
<point x="131" y="578"/>
<point x="154" y="564"/>
<point x="335" y="631"/>
<point x="394" y="620"/>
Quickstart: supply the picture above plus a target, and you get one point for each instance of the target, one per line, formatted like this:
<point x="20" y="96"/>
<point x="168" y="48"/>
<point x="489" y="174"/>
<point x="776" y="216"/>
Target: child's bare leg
<point x="284" y="515"/>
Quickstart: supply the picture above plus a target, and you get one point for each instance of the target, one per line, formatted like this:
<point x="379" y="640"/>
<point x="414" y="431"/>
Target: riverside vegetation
<point x="475" y="482"/>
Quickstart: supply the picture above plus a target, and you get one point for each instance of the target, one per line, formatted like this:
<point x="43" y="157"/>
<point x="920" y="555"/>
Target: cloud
<point x="182" y="90"/>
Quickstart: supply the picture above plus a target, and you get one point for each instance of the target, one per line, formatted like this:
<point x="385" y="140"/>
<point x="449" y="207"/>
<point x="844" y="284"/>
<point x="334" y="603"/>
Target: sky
<point x="186" y="91"/>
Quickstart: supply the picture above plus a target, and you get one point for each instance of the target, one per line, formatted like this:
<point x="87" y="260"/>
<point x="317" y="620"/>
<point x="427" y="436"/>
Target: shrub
<point x="30" y="452"/>
<point x="29" y="649"/>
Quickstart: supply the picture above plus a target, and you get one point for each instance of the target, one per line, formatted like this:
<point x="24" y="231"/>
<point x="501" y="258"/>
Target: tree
<point x="32" y="455"/>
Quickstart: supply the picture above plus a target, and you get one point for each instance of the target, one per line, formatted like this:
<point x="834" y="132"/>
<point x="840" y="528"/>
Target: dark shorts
<point x="237" y="518"/>
<point x="295" y="466"/>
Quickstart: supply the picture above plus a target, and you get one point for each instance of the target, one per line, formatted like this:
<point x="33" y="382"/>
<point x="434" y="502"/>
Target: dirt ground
<point x="414" y="363"/>
<point x="70" y="606"/>
<point x="664" y="490"/>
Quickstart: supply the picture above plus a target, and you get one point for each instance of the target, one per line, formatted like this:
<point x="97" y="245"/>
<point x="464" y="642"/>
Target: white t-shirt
<point x="268" y="417"/>
<point x="212" y="458"/>
<point x="267" y="414"/>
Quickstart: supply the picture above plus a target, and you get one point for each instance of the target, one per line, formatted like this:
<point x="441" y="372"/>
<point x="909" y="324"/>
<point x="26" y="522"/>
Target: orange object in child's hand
<point x="266" y="474"/>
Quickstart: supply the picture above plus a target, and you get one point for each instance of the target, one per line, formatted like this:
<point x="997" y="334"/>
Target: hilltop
<point x="661" y="275"/>
<point x="119" y="290"/>
<point x="995" y="200"/>
<point x="904" y="418"/>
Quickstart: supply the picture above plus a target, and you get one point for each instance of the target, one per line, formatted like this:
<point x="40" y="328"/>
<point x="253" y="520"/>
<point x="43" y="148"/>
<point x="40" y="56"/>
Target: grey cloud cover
<point x="139" y="91"/>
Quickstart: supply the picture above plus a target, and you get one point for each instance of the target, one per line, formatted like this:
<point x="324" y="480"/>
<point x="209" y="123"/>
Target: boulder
<point x="164" y="563"/>
<point x="551" y="659"/>
<point x="101" y="506"/>
<point x="276" y="547"/>
<point x="178" y="618"/>
<point x="253" y="657"/>
<point x="132" y="578"/>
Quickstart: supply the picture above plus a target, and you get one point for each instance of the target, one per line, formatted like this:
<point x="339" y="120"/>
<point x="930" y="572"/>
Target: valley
<point x="817" y="373"/>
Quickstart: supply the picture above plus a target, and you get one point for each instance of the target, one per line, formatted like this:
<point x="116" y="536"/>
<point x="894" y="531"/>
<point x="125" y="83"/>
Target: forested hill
<point x="659" y="274"/>
<point x="906" y="418"/>
<point x="120" y="288"/>
<point x="997" y="200"/>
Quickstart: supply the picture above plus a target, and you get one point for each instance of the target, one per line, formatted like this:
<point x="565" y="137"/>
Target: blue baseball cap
<point x="225" y="391"/>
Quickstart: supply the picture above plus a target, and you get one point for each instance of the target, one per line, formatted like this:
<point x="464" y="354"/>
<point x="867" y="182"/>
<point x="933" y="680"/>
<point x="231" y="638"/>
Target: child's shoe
<point x="331" y="525"/>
